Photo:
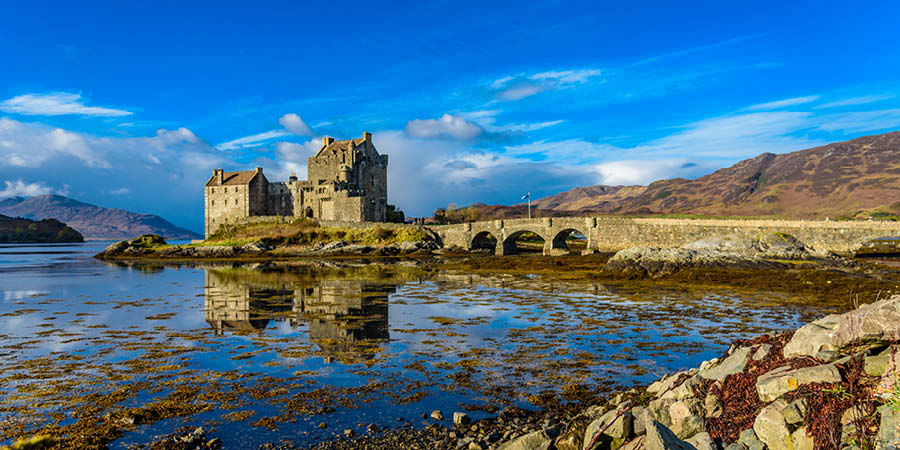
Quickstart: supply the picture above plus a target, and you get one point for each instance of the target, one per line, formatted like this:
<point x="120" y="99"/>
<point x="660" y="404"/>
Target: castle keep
<point x="346" y="180"/>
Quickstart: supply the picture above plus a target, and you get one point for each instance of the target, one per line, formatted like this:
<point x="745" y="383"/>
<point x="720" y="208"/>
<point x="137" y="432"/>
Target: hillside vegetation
<point x="17" y="230"/>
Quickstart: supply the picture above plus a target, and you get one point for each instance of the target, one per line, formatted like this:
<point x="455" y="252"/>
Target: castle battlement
<point x="346" y="181"/>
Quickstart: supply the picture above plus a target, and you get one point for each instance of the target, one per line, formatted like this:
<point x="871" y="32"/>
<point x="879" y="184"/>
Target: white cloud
<point x="855" y="101"/>
<point x="861" y="121"/>
<point x="446" y="126"/>
<point x="521" y="91"/>
<point x="565" y="77"/>
<point x="162" y="171"/>
<point x="517" y="87"/>
<point x="120" y="191"/>
<point x="56" y="104"/>
<point x="782" y="103"/>
<point x="252" y="141"/>
<point x="19" y="188"/>
<point x="642" y="172"/>
<point x="293" y="123"/>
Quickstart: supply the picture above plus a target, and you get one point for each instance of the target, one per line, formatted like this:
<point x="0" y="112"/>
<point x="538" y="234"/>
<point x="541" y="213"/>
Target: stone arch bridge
<point x="609" y="234"/>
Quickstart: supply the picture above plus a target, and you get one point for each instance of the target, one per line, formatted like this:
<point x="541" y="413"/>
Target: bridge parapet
<point x="609" y="234"/>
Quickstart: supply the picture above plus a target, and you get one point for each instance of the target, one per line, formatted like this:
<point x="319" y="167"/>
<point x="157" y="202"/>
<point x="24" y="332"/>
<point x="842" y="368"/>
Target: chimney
<point x="259" y="170"/>
<point x="326" y="141"/>
<point x="293" y="177"/>
<point x="368" y="137"/>
<point x="220" y="175"/>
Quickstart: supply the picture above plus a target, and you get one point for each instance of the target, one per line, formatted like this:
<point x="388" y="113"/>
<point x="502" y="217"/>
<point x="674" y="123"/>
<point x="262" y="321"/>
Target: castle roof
<point x="233" y="178"/>
<point x="341" y="145"/>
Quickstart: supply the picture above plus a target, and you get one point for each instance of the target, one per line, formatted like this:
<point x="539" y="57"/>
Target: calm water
<point x="263" y="353"/>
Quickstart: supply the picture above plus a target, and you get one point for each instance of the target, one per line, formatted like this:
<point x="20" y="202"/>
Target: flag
<point x="528" y="195"/>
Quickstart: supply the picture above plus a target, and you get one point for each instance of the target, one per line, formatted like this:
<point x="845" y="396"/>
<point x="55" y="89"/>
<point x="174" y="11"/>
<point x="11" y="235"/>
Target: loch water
<point x="262" y="353"/>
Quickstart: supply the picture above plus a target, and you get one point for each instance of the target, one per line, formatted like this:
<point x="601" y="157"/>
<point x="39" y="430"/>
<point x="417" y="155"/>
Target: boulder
<point x="801" y="440"/>
<point x="889" y="428"/>
<point x="635" y="444"/>
<point x="771" y="428"/>
<point x="734" y="363"/>
<point x="703" y="441"/>
<point x="782" y="380"/>
<point x="814" y="339"/>
<point x="768" y="245"/>
<point x="658" y="262"/>
<point x="713" y="406"/>
<point x="795" y="411"/>
<point x="461" y="418"/>
<point x="683" y="390"/>
<point x="750" y="441"/>
<point x="612" y="425"/>
<point x="659" y="437"/>
<point x="871" y="325"/>
<point x="761" y="352"/>
<point x="886" y="246"/>
<point x="687" y="418"/>
<point x="538" y="440"/>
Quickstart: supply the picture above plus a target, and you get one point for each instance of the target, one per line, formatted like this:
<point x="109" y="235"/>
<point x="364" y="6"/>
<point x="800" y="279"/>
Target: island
<point x="20" y="231"/>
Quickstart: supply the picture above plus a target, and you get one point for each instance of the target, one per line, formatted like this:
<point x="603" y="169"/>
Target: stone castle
<point x="346" y="181"/>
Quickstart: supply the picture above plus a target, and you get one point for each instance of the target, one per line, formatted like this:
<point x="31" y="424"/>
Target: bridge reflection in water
<point x="343" y="317"/>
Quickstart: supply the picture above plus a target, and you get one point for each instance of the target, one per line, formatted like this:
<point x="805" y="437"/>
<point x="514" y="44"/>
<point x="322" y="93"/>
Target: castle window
<point x="212" y="203"/>
<point x="226" y="202"/>
<point x="212" y="190"/>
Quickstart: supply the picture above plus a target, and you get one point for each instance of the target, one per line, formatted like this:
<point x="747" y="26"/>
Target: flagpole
<point x="529" y="205"/>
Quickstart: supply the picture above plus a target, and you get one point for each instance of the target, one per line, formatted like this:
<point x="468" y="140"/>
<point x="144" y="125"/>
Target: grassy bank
<point x="305" y="232"/>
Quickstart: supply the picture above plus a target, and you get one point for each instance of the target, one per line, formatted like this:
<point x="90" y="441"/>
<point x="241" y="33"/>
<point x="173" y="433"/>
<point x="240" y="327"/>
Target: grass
<point x="308" y="232"/>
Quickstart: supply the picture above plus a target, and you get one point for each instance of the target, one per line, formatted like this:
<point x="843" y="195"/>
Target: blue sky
<point x="132" y="106"/>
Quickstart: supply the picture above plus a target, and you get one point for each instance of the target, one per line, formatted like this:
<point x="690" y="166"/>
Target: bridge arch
<point x="509" y="242"/>
<point x="484" y="240"/>
<point x="560" y="238"/>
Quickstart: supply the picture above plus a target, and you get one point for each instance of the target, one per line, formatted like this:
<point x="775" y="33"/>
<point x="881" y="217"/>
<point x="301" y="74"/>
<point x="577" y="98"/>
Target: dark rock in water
<point x="139" y="246"/>
<point x="886" y="246"/>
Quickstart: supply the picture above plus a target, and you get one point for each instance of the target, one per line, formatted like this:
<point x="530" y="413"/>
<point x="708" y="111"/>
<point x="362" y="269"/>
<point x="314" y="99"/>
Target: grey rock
<point x="683" y="390"/>
<point x="734" y="363"/>
<point x="634" y="444"/>
<point x="613" y="425"/>
<point x="771" y="428"/>
<point x="780" y="381"/>
<point x="437" y="415"/>
<point x="658" y="262"/>
<point x="713" y="406"/>
<point x="801" y="440"/>
<point x="750" y="441"/>
<point x="702" y="441"/>
<point x="814" y="339"/>
<point x="889" y="428"/>
<point x="736" y="446"/>
<point x="659" y="437"/>
<point x="639" y="425"/>
<point x="537" y="440"/>
<point x="873" y="324"/>
<point x="461" y="418"/>
<point x="687" y="418"/>
<point x="795" y="411"/>
<point x="761" y="352"/>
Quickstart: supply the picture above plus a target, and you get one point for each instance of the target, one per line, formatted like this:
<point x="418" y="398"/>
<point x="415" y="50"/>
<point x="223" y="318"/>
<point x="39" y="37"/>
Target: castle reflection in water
<point x="340" y="315"/>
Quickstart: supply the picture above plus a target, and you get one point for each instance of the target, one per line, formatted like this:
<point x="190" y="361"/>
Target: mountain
<point x="42" y="231"/>
<point x="94" y="222"/>
<point x="860" y="177"/>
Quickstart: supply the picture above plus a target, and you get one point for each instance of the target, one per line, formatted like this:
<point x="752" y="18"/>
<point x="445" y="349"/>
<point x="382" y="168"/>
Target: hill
<point x="856" y="178"/>
<point x="94" y="222"/>
<point x="18" y="230"/>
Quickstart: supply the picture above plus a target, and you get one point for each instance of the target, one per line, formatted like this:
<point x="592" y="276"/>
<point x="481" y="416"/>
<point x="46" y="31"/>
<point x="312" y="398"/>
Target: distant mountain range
<point x="94" y="222"/>
<point x="857" y="178"/>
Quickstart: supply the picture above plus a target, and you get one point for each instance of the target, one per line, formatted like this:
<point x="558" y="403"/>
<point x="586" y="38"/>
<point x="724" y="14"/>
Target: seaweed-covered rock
<point x="886" y="246"/>
<point x="768" y="245"/>
<point x="658" y="262"/>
